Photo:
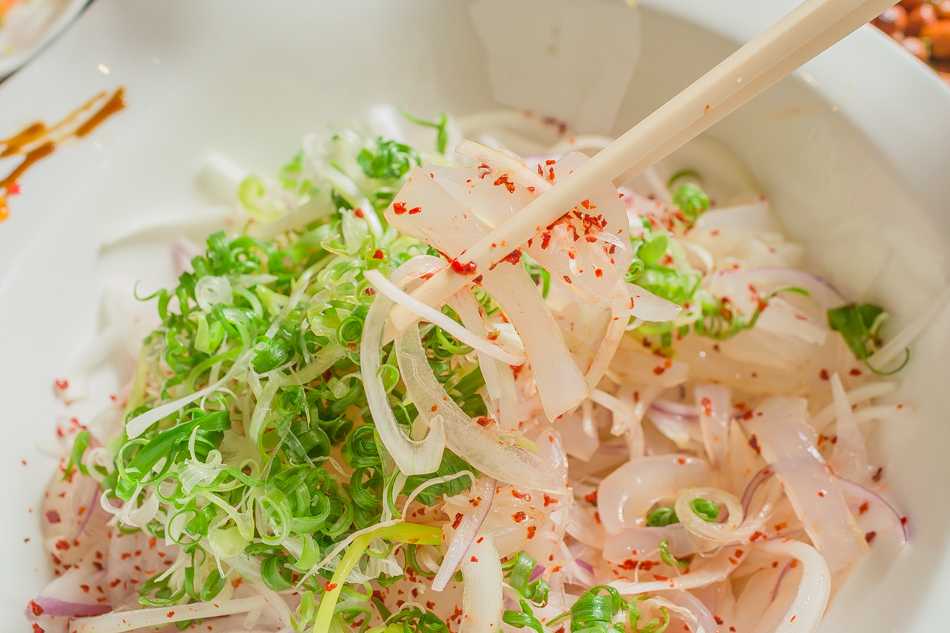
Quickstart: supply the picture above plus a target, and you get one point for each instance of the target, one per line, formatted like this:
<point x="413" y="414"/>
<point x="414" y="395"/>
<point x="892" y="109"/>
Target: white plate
<point x="29" y="26"/>
<point x="849" y="150"/>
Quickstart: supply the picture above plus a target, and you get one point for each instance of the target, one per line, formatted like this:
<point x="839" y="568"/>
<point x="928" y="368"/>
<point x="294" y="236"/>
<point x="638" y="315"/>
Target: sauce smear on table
<point x="38" y="140"/>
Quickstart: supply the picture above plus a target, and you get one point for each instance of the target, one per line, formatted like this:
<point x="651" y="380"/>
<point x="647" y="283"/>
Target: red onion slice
<point x="757" y="480"/>
<point x="60" y="608"/>
<point x="857" y="490"/>
<point x="465" y="533"/>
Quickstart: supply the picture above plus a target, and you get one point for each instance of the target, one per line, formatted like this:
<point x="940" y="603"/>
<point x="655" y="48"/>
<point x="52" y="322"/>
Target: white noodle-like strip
<point x="390" y="290"/>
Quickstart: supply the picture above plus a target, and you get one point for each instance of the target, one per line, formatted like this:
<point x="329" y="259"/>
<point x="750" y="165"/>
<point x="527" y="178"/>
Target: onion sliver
<point x="620" y="305"/>
<point x="713" y="534"/>
<point x="465" y="437"/>
<point x="386" y="287"/>
<point x="715" y="412"/>
<point x="627" y="494"/>
<point x="412" y="457"/>
<point x="849" y="458"/>
<point x="160" y="616"/>
<point x="717" y="569"/>
<point x="482" y="599"/>
<point x="788" y="444"/>
<point x="465" y="533"/>
<point x="867" y="494"/>
<point x="814" y="588"/>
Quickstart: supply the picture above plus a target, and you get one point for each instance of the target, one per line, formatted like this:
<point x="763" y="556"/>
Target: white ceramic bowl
<point x="850" y="149"/>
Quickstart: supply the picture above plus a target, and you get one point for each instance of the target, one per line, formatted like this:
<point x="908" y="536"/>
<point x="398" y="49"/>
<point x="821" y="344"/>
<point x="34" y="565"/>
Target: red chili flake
<point x="793" y="564"/>
<point x="521" y="495"/>
<point x="681" y="461"/>
<point x="358" y="212"/>
<point x="821" y="493"/>
<point x="545" y="239"/>
<point x="519" y="516"/>
<point x="551" y="174"/>
<point x="531" y="189"/>
<point x="823" y="374"/>
<point x="480" y="539"/>
<point x="415" y="210"/>
<point x="53" y="516"/>
<point x="870" y="536"/>
<point x="660" y="578"/>
<point x="457" y="521"/>
<point x="115" y="583"/>
<point x="378" y="254"/>
<point x="792" y="619"/>
<point x="597" y="517"/>
<point x="503" y="180"/>
<point x="483" y="421"/>
<point x="463" y="269"/>
<point x="549" y="162"/>
<point x="903" y="520"/>
<point x="876" y="477"/>
<point x="329" y="586"/>
<point x="659" y="369"/>
<point x="434" y="408"/>
<point x="717" y="619"/>
<point x="548" y="500"/>
<point x="567" y="279"/>
<point x="62" y="544"/>
<point x="863" y="508"/>
<point x="513" y="257"/>
<point x="754" y="442"/>
<point x="430" y="605"/>
<point x="62" y="384"/>
<point x="591" y="497"/>
<point x="474" y="560"/>
<point x="855" y="372"/>
<point x="171" y="614"/>
<point x="37" y="628"/>
<point x="706" y="110"/>
<point x="757" y="535"/>
<point x="35" y="608"/>
<point x="531" y="531"/>
<point x="84" y="588"/>
<point x="706" y="404"/>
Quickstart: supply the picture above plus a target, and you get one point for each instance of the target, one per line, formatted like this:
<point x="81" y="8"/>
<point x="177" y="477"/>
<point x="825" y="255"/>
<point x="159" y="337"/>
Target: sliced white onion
<point x="474" y="443"/>
<point x="412" y="457"/>
<point x="814" y="589"/>
<point x="120" y="621"/>
<point x="649" y="307"/>
<point x="620" y="307"/>
<point x="624" y="416"/>
<point x="862" y="492"/>
<point x="715" y="570"/>
<point x="641" y="542"/>
<point x="711" y="533"/>
<point x="856" y="396"/>
<point x="850" y="455"/>
<point x="626" y="495"/>
<point x="895" y="347"/>
<point x="390" y="290"/>
<point x="788" y="444"/>
<point x="482" y="599"/>
<point x="715" y="411"/>
<point x="465" y="533"/>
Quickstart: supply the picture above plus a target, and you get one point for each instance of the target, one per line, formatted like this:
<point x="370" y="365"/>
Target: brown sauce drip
<point x="38" y="140"/>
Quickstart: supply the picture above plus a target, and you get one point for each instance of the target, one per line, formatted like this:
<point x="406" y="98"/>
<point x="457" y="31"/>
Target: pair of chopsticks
<point x="806" y="31"/>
